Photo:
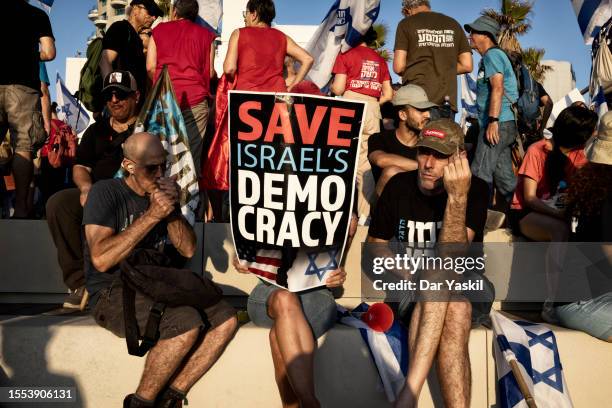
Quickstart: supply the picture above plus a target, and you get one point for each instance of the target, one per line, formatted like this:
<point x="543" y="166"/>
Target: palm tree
<point x="381" y="30"/>
<point x="532" y="58"/>
<point x="513" y="20"/>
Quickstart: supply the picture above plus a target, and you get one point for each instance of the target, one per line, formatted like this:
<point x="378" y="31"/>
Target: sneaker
<point x="548" y="313"/>
<point x="74" y="298"/>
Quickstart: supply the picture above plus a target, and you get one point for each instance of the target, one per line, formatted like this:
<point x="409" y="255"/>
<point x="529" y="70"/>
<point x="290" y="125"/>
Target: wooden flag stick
<point x="522" y="385"/>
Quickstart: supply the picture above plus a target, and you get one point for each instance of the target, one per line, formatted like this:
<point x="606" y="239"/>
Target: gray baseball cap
<point x="412" y="95"/>
<point x="484" y="24"/>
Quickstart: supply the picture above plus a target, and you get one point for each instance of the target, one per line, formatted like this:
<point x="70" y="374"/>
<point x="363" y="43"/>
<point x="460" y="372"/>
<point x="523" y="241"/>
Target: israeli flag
<point x="45" y="5"/>
<point x="69" y="111"/>
<point x="592" y="14"/>
<point x="389" y="350"/>
<point x="469" y="106"/>
<point x="599" y="103"/>
<point x="573" y="96"/>
<point x="532" y="349"/>
<point x="210" y="14"/>
<point x="341" y="29"/>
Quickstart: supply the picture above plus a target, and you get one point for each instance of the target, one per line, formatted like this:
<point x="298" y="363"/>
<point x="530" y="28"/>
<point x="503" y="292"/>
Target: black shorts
<point x="108" y="313"/>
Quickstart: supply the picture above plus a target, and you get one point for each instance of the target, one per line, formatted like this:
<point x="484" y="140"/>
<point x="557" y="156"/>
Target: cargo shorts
<point x="20" y="112"/>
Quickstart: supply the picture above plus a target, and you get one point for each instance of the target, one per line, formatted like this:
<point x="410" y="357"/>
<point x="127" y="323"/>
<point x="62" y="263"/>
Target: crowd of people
<point x="418" y="180"/>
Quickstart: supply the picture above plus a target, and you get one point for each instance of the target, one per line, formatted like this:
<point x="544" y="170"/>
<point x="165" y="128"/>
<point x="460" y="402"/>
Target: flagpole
<point x="516" y="370"/>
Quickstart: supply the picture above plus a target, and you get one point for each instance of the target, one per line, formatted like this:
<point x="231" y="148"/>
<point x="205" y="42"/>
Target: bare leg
<point x="453" y="357"/>
<point x="288" y="397"/>
<point x="205" y="355"/>
<point x="22" y="172"/>
<point x="428" y="325"/>
<point x="162" y="361"/>
<point x="295" y="343"/>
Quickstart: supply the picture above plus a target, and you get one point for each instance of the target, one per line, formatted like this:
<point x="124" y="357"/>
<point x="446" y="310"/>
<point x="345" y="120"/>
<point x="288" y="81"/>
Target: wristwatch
<point x="493" y="119"/>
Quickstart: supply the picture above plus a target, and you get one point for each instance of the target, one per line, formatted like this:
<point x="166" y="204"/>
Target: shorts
<point x="20" y="111"/>
<point x="108" y="313"/>
<point x="318" y="305"/>
<point x="593" y="317"/>
<point x="196" y="119"/>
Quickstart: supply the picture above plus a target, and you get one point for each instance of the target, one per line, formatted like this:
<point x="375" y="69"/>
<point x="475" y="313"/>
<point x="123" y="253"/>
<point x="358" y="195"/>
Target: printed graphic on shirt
<point x="436" y="38"/>
<point x="418" y="232"/>
<point x="369" y="78"/>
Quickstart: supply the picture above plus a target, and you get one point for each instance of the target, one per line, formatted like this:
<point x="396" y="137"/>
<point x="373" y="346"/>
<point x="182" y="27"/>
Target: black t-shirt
<point x="388" y="142"/>
<point x="21" y="28"/>
<point x="100" y="149"/>
<point x="403" y="212"/>
<point x="122" y="38"/>
<point x="111" y="203"/>
<point x="596" y="228"/>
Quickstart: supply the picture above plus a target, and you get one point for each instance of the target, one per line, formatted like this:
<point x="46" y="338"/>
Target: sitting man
<point x="440" y="202"/>
<point x="394" y="151"/>
<point x="141" y="211"/>
<point x="98" y="157"/>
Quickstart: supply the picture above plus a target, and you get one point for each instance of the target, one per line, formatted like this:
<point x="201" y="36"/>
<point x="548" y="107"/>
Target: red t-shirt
<point x="184" y="47"/>
<point x="261" y="58"/>
<point x="533" y="166"/>
<point x="365" y="70"/>
<point x="308" y="88"/>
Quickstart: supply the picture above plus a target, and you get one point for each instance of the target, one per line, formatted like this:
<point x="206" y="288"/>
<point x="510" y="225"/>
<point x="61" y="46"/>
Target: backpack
<point x="62" y="147"/>
<point x="528" y="103"/>
<point x="90" y="84"/>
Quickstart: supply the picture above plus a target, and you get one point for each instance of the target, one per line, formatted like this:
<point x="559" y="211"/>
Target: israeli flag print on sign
<point x="591" y="14"/>
<point x="534" y="348"/>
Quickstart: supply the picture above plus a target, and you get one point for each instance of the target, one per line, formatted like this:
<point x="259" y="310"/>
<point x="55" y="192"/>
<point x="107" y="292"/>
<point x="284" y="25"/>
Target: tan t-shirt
<point x="433" y="42"/>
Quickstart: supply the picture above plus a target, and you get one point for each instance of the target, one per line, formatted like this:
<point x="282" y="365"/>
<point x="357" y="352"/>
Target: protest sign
<point x="292" y="175"/>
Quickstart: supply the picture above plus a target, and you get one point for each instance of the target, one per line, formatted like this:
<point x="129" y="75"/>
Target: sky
<point x="555" y="28"/>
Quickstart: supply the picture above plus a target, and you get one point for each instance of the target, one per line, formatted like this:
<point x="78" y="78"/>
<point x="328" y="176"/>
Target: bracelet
<point x="493" y="119"/>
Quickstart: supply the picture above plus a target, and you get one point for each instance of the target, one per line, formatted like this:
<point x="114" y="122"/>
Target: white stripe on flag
<point x="566" y="101"/>
<point x="591" y="15"/>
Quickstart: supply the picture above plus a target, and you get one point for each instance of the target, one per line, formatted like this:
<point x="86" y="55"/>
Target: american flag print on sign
<point x="261" y="262"/>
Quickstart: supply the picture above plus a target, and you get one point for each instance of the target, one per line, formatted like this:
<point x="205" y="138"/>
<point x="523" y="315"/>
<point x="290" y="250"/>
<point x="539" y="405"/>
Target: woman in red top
<point x="256" y="53"/>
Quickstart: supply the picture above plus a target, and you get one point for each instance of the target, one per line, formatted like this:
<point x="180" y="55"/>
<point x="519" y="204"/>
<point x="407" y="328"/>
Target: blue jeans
<point x="318" y="305"/>
<point x="496" y="161"/>
<point x="593" y="317"/>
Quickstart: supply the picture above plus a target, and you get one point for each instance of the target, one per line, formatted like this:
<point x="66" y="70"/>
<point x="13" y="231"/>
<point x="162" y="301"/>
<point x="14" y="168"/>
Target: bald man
<point x="142" y="211"/>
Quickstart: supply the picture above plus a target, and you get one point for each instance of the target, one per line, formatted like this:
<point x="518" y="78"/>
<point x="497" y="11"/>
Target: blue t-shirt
<point x="495" y="61"/>
<point x="44" y="76"/>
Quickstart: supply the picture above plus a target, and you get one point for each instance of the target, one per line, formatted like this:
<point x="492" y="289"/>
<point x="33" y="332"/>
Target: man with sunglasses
<point x="142" y="211"/>
<point x="394" y="151"/>
<point x="98" y="157"/>
<point x="440" y="202"/>
<point x="122" y="45"/>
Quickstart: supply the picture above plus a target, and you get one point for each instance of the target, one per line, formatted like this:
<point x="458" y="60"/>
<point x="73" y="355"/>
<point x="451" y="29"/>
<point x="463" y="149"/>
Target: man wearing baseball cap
<point x="440" y="202"/>
<point x="122" y="45"/>
<point x="394" y="151"/>
<point x="98" y="157"/>
<point x="497" y="90"/>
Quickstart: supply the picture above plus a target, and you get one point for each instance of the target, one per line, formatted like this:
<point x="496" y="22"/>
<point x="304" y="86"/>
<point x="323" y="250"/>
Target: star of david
<point x="66" y="110"/>
<point x="313" y="269"/>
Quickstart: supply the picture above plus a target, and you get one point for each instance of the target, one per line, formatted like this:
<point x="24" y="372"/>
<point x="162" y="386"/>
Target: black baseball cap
<point x="122" y="80"/>
<point x="152" y="7"/>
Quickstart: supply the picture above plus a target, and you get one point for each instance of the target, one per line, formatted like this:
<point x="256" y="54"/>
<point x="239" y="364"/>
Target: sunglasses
<point x="118" y="93"/>
<point x="151" y="169"/>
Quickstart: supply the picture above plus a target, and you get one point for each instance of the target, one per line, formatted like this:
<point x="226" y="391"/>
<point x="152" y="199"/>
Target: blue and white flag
<point x="591" y="14"/>
<point x="573" y="96"/>
<point x="534" y="349"/>
<point x="341" y="29"/>
<point x="598" y="102"/>
<point x="389" y="350"/>
<point x="69" y="110"/>
<point x="161" y="116"/>
<point x="468" y="99"/>
<point x="210" y="14"/>
<point x="45" y="5"/>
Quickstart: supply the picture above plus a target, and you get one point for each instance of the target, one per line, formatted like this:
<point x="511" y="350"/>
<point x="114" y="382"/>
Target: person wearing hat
<point x="439" y="202"/>
<point x="497" y="90"/>
<point x="430" y="50"/>
<point x="122" y="47"/>
<point x="589" y="199"/>
<point x="98" y="157"/>
<point x="394" y="151"/>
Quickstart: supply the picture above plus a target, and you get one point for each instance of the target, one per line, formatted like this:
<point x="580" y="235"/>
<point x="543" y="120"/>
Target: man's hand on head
<point x="457" y="176"/>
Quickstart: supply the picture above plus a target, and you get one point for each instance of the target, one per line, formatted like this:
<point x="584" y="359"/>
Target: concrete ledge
<point x="73" y="351"/>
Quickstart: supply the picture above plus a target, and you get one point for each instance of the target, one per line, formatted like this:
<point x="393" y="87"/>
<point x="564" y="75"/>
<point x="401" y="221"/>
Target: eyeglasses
<point x="244" y="13"/>
<point x="118" y="93"/>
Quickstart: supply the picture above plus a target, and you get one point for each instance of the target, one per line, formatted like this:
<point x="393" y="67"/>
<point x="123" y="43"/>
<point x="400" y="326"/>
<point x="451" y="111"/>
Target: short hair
<point x="410" y="4"/>
<point x="264" y="8"/>
<point x="187" y="9"/>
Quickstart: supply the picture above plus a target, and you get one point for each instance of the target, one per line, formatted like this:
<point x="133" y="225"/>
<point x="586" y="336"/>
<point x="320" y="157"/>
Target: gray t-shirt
<point x="111" y="203"/>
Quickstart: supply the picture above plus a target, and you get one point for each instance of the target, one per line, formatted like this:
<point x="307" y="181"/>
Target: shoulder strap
<point x="132" y="332"/>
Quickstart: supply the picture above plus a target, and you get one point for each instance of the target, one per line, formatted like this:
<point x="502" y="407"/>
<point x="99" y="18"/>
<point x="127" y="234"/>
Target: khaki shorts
<point x="20" y="112"/>
<point x="108" y="313"/>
